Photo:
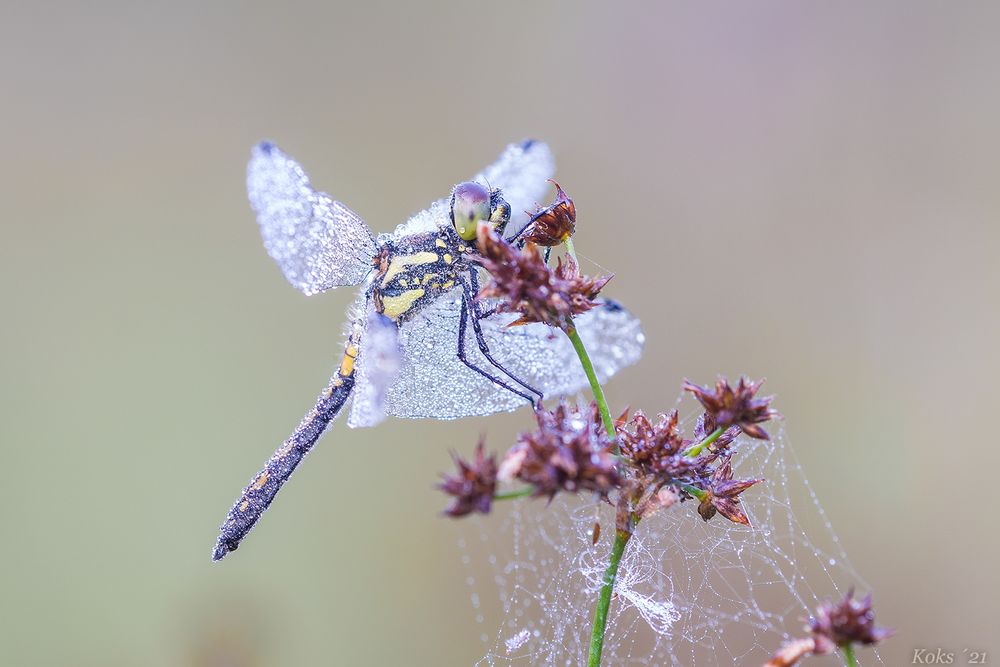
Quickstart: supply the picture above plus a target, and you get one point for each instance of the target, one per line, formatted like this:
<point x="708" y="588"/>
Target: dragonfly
<point x="419" y="344"/>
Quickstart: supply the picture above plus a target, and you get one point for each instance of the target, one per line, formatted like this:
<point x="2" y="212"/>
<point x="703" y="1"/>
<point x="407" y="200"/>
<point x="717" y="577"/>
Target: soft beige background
<point x="796" y="190"/>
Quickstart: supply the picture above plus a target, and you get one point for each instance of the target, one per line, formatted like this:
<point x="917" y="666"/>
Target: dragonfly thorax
<point x="414" y="270"/>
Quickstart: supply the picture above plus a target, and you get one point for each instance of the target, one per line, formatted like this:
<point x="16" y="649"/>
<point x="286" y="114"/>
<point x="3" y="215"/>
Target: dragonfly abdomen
<point x="260" y="492"/>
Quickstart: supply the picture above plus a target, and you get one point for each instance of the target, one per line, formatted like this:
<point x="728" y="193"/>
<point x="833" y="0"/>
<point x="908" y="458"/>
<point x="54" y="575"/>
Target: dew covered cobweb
<point x="688" y="592"/>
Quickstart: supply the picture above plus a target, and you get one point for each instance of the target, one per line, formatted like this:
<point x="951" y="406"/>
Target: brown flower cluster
<point x="474" y="484"/>
<point x="722" y="494"/>
<point x="553" y="224"/>
<point x="836" y="625"/>
<point x="658" y="454"/>
<point x="525" y="284"/>
<point x="728" y="406"/>
<point x="569" y="451"/>
<point x="656" y="449"/>
<point x="650" y="464"/>
<point x="846" y="622"/>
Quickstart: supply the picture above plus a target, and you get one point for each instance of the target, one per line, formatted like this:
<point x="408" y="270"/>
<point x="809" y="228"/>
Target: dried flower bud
<point x="569" y="451"/>
<point x="735" y="407"/>
<point x="662" y="498"/>
<point x="525" y="284"/>
<point x="722" y="494"/>
<point x="656" y="449"/>
<point x="835" y="626"/>
<point x="473" y="486"/>
<point x="791" y="652"/>
<point x="704" y="427"/>
<point x="846" y="622"/>
<point x="722" y="443"/>
<point x="554" y="224"/>
<point x="511" y="463"/>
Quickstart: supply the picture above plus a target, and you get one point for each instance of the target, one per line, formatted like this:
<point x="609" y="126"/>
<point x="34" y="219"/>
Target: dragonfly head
<point x="471" y="203"/>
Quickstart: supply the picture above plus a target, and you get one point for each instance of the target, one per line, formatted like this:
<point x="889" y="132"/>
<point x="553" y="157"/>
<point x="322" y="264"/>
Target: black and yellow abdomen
<point x="260" y="492"/>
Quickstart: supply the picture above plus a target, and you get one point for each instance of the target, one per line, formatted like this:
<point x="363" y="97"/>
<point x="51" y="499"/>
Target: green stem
<point x="848" y="652"/>
<point x="695" y="450"/>
<point x="515" y="493"/>
<point x="595" y="386"/>
<point x="621" y="537"/>
<point x="604" y="600"/>
<point x="694" y="491"/>
<point x="571" y="250"/>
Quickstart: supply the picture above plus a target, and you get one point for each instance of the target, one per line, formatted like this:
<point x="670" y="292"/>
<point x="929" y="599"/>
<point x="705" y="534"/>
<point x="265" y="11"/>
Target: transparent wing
<point x="433" y="382"/>
<point x="520" y="172"/>
<point x="319" y="243"/>
<point x="377" y="366"/>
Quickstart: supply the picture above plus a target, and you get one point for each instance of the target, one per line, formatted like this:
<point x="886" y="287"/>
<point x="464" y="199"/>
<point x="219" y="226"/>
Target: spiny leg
<point x="469" y="304"/>
<point x="462" y="324"/>
<point x="514" y="238"/>
<point x="469" y="291"/>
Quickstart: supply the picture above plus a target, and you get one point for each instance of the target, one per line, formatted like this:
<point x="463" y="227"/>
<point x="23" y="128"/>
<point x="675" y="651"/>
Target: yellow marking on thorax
<point x="440" y="243"/>
<point x="447" y="258"/>
<point x="448" y="285"/>
<point x="347" y="363"/>
<point x="429" y="277"/>
<point x="394" y="306"/>
<point x="399" y="263"/>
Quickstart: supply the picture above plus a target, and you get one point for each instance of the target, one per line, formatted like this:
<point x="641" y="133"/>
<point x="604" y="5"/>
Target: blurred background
<point x="802" y="192"/>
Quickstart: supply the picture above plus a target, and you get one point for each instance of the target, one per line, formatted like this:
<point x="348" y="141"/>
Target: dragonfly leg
<point x="519" y="242"/>
<point x="462" y="325"/>
<point x="516" y="239"/>
<point x="469" y="305"/>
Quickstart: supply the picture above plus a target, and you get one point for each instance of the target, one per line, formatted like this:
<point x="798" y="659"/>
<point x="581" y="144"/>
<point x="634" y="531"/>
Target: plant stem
<point x="695" y="450"/>
<point x="621" y="537"/>
<point x="595" y="386"/>
<point x="694" y="491"/>
<point x="571" y="250"/>
<point x="514" y="493"/>
<point x="604" y="599"/>
<point x="848" y="652"/>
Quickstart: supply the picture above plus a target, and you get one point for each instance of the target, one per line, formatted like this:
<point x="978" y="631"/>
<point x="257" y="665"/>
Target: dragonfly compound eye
<point x="470" y="203"/>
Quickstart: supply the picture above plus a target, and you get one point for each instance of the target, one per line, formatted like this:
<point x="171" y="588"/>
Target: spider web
<point x="688" y="592"/>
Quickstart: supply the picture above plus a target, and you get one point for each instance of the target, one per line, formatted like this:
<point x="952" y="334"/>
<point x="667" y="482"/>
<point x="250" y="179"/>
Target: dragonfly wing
<point x="319" y="243"/>
<point x="377" y="365"/>
<point x="433" y="382"/>
<point x="545" y="358"/>
<point x="520" y="173"/>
